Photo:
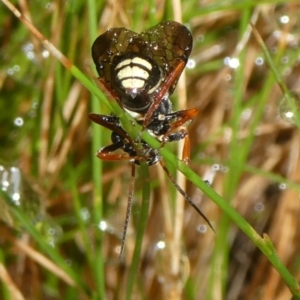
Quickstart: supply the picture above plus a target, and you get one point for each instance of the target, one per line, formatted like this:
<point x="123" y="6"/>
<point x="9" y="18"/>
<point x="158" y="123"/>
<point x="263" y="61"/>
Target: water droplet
<point x="191" y="64"/>
<point x="19" y="122"/>
<point x="216" y="167"/>
<point x="102" y="225"/>
<point x="246" y="114"/>
<point x="16" y="198"/>
<point x="45" y="53"/>
<point x="200" y="38"/>
<point x="224" y="169"/>
<point x="49" y="6"/>
<point x="284" y="19"/>
<point x="202" y="228"/>
<point x="276" y="34"/>
<point x="16" y="68"/>
<point x="85" y="214"/>
<point x="51" y="243"/>
<point x="29" y="51"/>
<point x="282" y="186"/>
<point x="287" y="71"/>
<point x="154" y="46"/>
<point x="285" y="60"/>
<point x="160" y="245"/>
<point x="289" y="109"/>
<point x="231" y="62"/>
<point x="259" y="206"/>
<point x="227" y="77"/>
<point x="259" y="61"/>
<point x="51" y="231"/>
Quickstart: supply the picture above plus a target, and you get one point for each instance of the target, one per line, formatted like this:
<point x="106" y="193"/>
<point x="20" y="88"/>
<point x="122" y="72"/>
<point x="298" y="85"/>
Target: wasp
<point x="140" y="71"/>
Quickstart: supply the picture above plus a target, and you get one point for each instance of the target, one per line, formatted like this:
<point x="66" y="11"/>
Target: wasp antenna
<point x="128" y="213"/>
<point x="185" y="195"/>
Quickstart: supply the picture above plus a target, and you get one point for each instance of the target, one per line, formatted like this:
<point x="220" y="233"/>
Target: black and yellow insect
<point x="141" y="71"/>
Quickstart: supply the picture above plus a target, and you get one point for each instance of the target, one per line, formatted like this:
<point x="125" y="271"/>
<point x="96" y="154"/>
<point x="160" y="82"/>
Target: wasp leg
<point x="186" y="151"/>
<point x="184" y="194"/>
<point x="177" y="136"/>
<point x="182" y="116"/>
<point x="110" y="122"/>
<point x="171" y="80"/>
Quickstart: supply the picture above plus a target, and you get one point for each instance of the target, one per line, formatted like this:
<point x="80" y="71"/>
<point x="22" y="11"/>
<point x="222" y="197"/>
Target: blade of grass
<point x="264" y="244"/>
<point x="142" y="223"/>
<point x="51" y="252"/>
<point x="238" y="155"/>
<point x="276" y="74"/>
<point x="97" y="170"/>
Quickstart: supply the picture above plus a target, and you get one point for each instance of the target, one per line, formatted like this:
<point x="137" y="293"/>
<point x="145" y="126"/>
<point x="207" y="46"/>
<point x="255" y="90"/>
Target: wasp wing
<point x="168" y="43"/>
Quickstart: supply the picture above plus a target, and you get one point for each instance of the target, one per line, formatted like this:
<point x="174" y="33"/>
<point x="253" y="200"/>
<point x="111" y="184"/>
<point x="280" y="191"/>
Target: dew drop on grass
<point x="103" y="225"/>
<point x="231" y="62"/>
<point x="202" y="228"/>
<point x="191" y="64"/>
<point x="228" y="77"/>
<point x="259" y="206"/>
<point x="289" y="109"/>
<point x="19" y="121"/>
<point x="85" y="214"/>
<point x="160" y="245"/>
<point x="284" y="19"/>
<point x="200" y="38"/>
<point x="259" y="61"/>
<point x="216" y="167"/>
<point x="285" y="60"/>
<point x="282" y="186"/>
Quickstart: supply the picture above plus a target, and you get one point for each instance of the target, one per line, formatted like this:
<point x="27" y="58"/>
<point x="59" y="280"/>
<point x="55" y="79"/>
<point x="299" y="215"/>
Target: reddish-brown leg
<point x="103" y="120"/>
<point x="173" y="77"/>
<point x="184" y="117"/>
<point x="108" y="156"/>
<point x="186" y="151"/>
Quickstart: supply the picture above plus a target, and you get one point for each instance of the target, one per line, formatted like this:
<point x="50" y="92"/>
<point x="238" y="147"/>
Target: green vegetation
<point x="61" y="240"/>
